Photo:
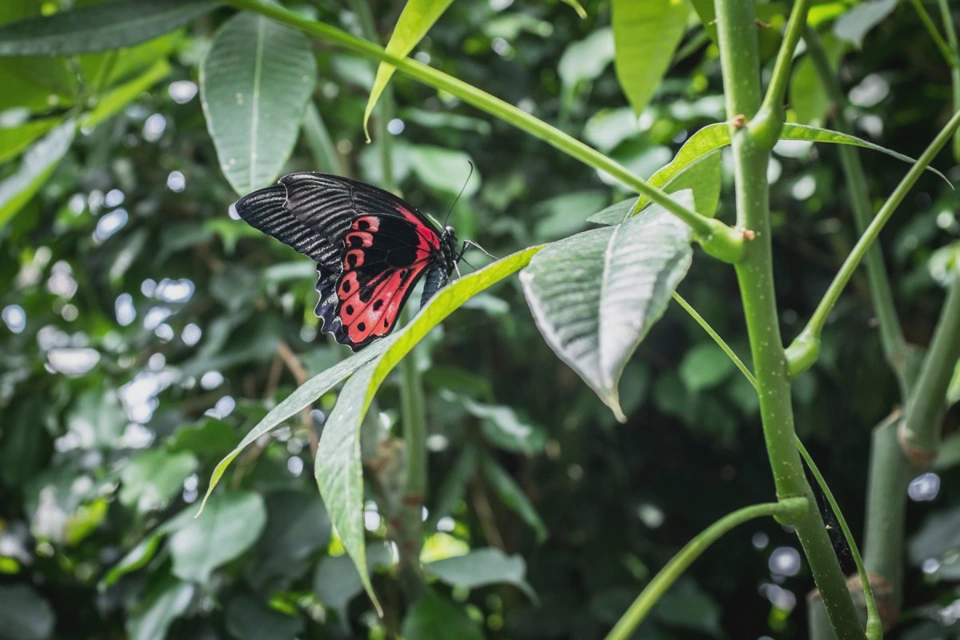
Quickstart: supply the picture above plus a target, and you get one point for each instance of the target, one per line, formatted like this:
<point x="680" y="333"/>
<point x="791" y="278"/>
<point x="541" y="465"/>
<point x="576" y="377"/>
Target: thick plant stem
<point x="790" y="509"/>
<point x="891" y="334"/>
<point x="920" y="430"/>
<point x="740" y="65"/>
<point x="716" y="238"/>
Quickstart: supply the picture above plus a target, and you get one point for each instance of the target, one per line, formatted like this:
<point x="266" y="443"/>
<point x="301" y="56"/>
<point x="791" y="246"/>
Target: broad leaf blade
<point x="254" y="85"/>
<point x="595" y="295"/>
<point x="482" y="567"/>
<point x="14" y="140"/>
<point x="645" y="36"/>
<point x="98" y="27"/>
<point x="854" y="25"/>
<point x="38" y="163"/>
<point x="434" y="617"/>
<point x="413" y="24"/>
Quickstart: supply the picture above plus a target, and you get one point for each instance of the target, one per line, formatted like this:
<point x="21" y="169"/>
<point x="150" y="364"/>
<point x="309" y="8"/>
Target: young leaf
<point x="254" y="85"/>
<point x="595" y="295"/>
<point x="38" y="163"/>
<point x="98" y="27"/>
<point x="645" y="36"/>
<point x="413" y="24"/>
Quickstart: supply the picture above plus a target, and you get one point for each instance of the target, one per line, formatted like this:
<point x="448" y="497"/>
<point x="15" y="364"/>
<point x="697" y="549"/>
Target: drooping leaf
<point x="645" y="36"/>
<point x="254" y="86"/>
<point x="98" y="27"/>
<point x="595" y="295"/>
<point x="513" y="496"/>
<point x="854" y="25"/>
<point x="576" y="6"/>
<point x="24" y="615"/>
<point x="482" y="567"/>
<point x="338" y="463"/>
<point x="413" y="24"/>
<point x="229" y="525"/>
<point x="36" y="166"/>
<point x="433" y="617"/>
<point x="154" y="477"/>
<point x="153" y="616"/>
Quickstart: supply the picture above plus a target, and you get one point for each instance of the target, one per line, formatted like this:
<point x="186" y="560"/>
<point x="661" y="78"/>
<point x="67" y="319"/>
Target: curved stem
<point x="717" y="239"/>
<point x="777" y="89"/>
<point x="819" y="318"/>
<point x="790" y="508"/>
<point x="716" y="338"/>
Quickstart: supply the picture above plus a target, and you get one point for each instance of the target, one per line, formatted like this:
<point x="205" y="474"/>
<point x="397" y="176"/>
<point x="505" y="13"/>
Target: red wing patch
<point x="366" y="315"/>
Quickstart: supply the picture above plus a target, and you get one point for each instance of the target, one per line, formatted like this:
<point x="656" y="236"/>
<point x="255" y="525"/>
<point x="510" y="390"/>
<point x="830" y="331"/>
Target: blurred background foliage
<point x="144" y="332"/>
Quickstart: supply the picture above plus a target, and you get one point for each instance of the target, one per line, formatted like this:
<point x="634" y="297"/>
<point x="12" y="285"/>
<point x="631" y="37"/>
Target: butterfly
<point x="370" y="247"/>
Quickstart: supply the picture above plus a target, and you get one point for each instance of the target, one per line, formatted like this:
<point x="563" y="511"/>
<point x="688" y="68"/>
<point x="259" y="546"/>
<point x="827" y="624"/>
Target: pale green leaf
<point x="646" y="35"/>
<point x="444" y="169"/>
<point x="705" y="366"/>
<point x="38" y="163"/>
<point x="480" y="568"/>
<point x="949" y="452"/>
<point x="433" y="617"/>
<point x="854" y="25"/>
<point x="98" y="27"/>
<point x="153" y="615"/>
<point x="595" y="295"/>
<point x="135" y="559"/>
<point x="707" y="14"/>
<point x="255" y="84"/>
<point x="413" y="24"/>
<point x="230" y="525"/>
<point x="14" y="140"/>
<point x="586" y="59"/>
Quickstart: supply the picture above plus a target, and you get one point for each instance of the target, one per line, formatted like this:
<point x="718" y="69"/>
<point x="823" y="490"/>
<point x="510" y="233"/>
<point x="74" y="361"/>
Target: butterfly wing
<point x="370" y="247"/>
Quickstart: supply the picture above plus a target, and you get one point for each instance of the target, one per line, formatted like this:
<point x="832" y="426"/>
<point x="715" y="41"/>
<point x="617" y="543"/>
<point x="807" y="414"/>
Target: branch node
<point x="761" y="24"/>
<point x="738" y="121"/>
<point x="748" y="234"/>
<point x="919" y="456"/>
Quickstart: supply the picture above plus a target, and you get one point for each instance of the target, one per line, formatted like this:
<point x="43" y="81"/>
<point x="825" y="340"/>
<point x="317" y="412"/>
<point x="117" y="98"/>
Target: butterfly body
<point x="370" y="246"/>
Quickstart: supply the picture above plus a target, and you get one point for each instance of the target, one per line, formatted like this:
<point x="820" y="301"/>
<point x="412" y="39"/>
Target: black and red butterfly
<point x="370" y="246"/>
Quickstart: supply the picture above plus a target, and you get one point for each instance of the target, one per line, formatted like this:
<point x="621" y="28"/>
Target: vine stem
<point x="716" y="238"/>
<point x="648" y="598"/>
<point x="740" y="66"/>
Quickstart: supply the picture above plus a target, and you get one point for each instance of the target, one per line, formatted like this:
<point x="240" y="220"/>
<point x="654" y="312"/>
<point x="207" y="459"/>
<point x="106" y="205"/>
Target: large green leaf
<point x="254" y="85"/>
<point x="415" y="20"/>
<point x="645" y="36"/>
<point x="433" y="617"/>
<point x="153" y="615"/>
<point x="24" y="615"/>
<point x="248" y="619"/>
<point x="595" y="295"/>
<point x="38" y="163"/>
<point x="854" y="25"/>
<point x="116" y="99"/>
<point x="585" y="60"/>
<point x="15" y="139"/>
<point x="230" y="525"/>
<point x="482" y="567"/>
<point x="98" y="27"/>
<point x="338" y="464"/>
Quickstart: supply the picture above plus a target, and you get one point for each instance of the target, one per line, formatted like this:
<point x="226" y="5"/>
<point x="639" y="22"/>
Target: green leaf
<point x="248" y="619"/>
<point x="576" y="6"/>
<point x="98" y="27"/>
<point x="586" y="59"/>
<point x="38" y="163"/>
<point x="707" y="14"/>
<point x="255" y="84"/>
<point x="338" y="463"/>
<point x="135" y="559"/>
<point x="153" y="617"/>
<point x="152" y="478"/>
<point x="513" y="497"/>
<point x="444" y="169"/>
<point x="949" y="451"/>
<point x="116" y="99"/>
<point x="853" y="26"/>
<point x="336" y="581"/>
<point x="938" y="534"/>
<point x="433" y="617"/>
<point x="503" y="428"/>
<point x="208" y="437"/>
<point x="482" y="567"/>
<point x="645" y="36"/>
<point x="595" y="295"/>
<point x="15" y="139"/>
<point x="705" y="366"/>
<point x="687" y="606"/>
<point x="808" y="98"/>
<point x="230" y="525"/>
<point x="413" y="24"/>
<point x="297" y="527"/>
<point x="24" y="615"/>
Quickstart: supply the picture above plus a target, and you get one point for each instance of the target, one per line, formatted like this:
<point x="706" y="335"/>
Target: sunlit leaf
<point x="254" y="85"/>
<point x="413" y="24"/>
<point x="595" y="295"/>
<point x="854" y="25"/>
<point x="482" y="567"/>
<point x="38" y="163"/>
<point x="14" y="140"/>
<point x="645" y="36"/>
<point x="98" y="27"/>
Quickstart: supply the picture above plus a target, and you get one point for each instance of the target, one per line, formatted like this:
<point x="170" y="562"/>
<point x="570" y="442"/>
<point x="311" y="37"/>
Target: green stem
<point x="717" y="239"/>
<point x="716" y="338"/>
<point x="920" y="430"/>
<point x="934" y="32"/>
<point x="891" y="335"/>
<point x="321" y="146"/>
<point x="790" y="509"/>
<point x="954" y="61"/>
<point x="874" y="626"/>
<point x="811" y="333"/>
<point x="740" y="65"/>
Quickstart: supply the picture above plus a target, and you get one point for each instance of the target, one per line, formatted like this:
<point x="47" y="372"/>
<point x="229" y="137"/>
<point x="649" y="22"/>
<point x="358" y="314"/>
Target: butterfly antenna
<point x="465" y="183"/>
